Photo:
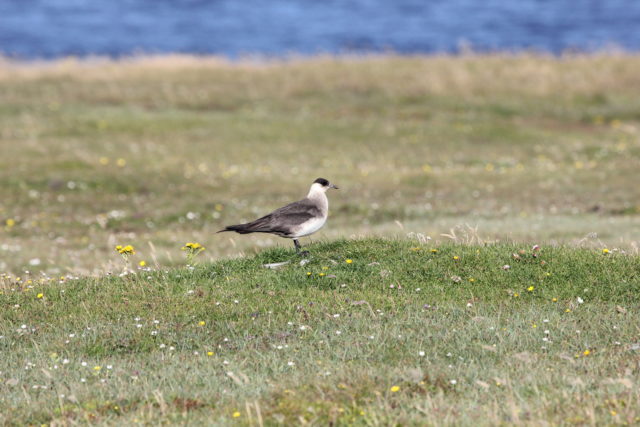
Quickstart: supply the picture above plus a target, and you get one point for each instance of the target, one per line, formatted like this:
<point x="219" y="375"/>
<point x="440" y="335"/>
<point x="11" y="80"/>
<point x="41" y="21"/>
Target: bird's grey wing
<point x="283" y="220"/>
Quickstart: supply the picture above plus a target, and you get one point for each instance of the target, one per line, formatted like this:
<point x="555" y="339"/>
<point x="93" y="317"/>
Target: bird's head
<point x="322" y="184"/>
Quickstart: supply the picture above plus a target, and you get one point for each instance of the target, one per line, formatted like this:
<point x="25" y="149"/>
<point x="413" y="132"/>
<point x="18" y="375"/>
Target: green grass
<point x="291" y="348"/>
<point x="486" y="154"/>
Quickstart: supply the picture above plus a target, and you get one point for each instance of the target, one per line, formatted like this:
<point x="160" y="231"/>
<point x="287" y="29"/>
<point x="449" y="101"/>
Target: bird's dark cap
<point x="321" y="181"/>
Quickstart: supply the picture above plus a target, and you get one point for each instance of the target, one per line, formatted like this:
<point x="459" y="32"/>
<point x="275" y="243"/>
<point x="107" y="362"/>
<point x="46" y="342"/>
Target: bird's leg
<point x="297" y="245"/>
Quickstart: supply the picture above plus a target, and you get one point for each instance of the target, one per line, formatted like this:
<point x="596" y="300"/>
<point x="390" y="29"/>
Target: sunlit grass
<point x="369" y="332"/>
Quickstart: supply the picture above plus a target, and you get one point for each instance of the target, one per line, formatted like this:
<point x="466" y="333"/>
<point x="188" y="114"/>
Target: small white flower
<point x="418" y="289"/>
<point x="453" y="382"/>
<point x="421" y="353"/>
<point x="65" y="361"/>
<point x="82" y="380"/>
<point x="138" y="325"/>
<point x="580" y="300"/>
<point x="338" y="332"/>
<point x="336" y="315"/>
<point x="290" y="363"/>
<point x="84" y="363"/>
<point x="302" y="328"/>
<point x="163" y="345"/>
<point x="109" y="367"/>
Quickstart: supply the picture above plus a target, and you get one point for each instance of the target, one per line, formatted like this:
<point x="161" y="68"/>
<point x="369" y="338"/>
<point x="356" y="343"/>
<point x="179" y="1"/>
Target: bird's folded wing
<point x="284" y="219"/>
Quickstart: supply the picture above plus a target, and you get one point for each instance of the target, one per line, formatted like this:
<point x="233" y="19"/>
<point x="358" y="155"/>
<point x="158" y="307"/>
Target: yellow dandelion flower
<point x="586" y="352"/>
<point x="10" y="222"/>
<point x="193" y="246"/>
<point x="40" y="296"/>
<point x="121" y="162"/>
<point x="348" y="261"/>
<point x="534" y="326"/>
<point x="322" y="274"/>
<point x="308" y="273"/>
<point x="568" y="310"/>
<point x="125" y="250"/>
<point x="104" y="161"/>
<point x="236" y="414"/>
<point x="97" y="368"/>
<point x="456" y="257"/>
<point x="395" y="388"/>
<point x="471" y="279"/>
<point x="325" y="268"/>
<point x="202" y="323"/>
<point x="516" y="295"/>
<point x="433" y="251"/>
<point x="142" y="263"/>
<point x="209" y="353"/>
<point x="530" y="289"/>
<point x="605" y="251"/>
<point x="554" y="299"/>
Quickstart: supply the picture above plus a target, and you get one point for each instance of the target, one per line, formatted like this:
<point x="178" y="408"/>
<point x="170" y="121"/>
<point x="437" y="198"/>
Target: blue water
<point x="54" y="28"/>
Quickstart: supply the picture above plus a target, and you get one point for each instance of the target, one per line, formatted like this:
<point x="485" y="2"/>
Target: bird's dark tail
<point x="240" y="228"/>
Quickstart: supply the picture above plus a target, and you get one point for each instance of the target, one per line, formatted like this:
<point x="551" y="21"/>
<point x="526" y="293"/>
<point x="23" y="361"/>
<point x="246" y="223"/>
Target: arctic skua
<point x="297" y="219"/>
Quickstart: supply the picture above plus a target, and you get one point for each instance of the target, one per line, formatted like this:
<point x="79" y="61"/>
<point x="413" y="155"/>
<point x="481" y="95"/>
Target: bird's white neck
<point x="317" y="194"/>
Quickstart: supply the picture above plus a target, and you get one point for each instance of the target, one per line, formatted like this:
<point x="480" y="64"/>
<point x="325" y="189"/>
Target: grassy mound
<point x="368" y="332"/>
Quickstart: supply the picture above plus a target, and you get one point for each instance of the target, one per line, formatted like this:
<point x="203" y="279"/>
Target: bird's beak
<point x="334" y="186"/>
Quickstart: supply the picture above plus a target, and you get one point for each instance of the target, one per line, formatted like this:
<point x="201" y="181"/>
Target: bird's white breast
<point x="310" y="226"/>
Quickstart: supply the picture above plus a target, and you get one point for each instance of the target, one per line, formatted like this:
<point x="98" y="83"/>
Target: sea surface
<point x="33" y="29"/>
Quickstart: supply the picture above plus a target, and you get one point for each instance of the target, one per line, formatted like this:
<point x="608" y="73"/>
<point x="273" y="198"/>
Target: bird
<point x="295" y="220"/>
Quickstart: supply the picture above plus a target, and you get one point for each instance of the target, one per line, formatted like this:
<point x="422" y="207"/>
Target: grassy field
<point x="423" y="300"/>
<point x="369" y="332"/>
<point x="168" y="150"/>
